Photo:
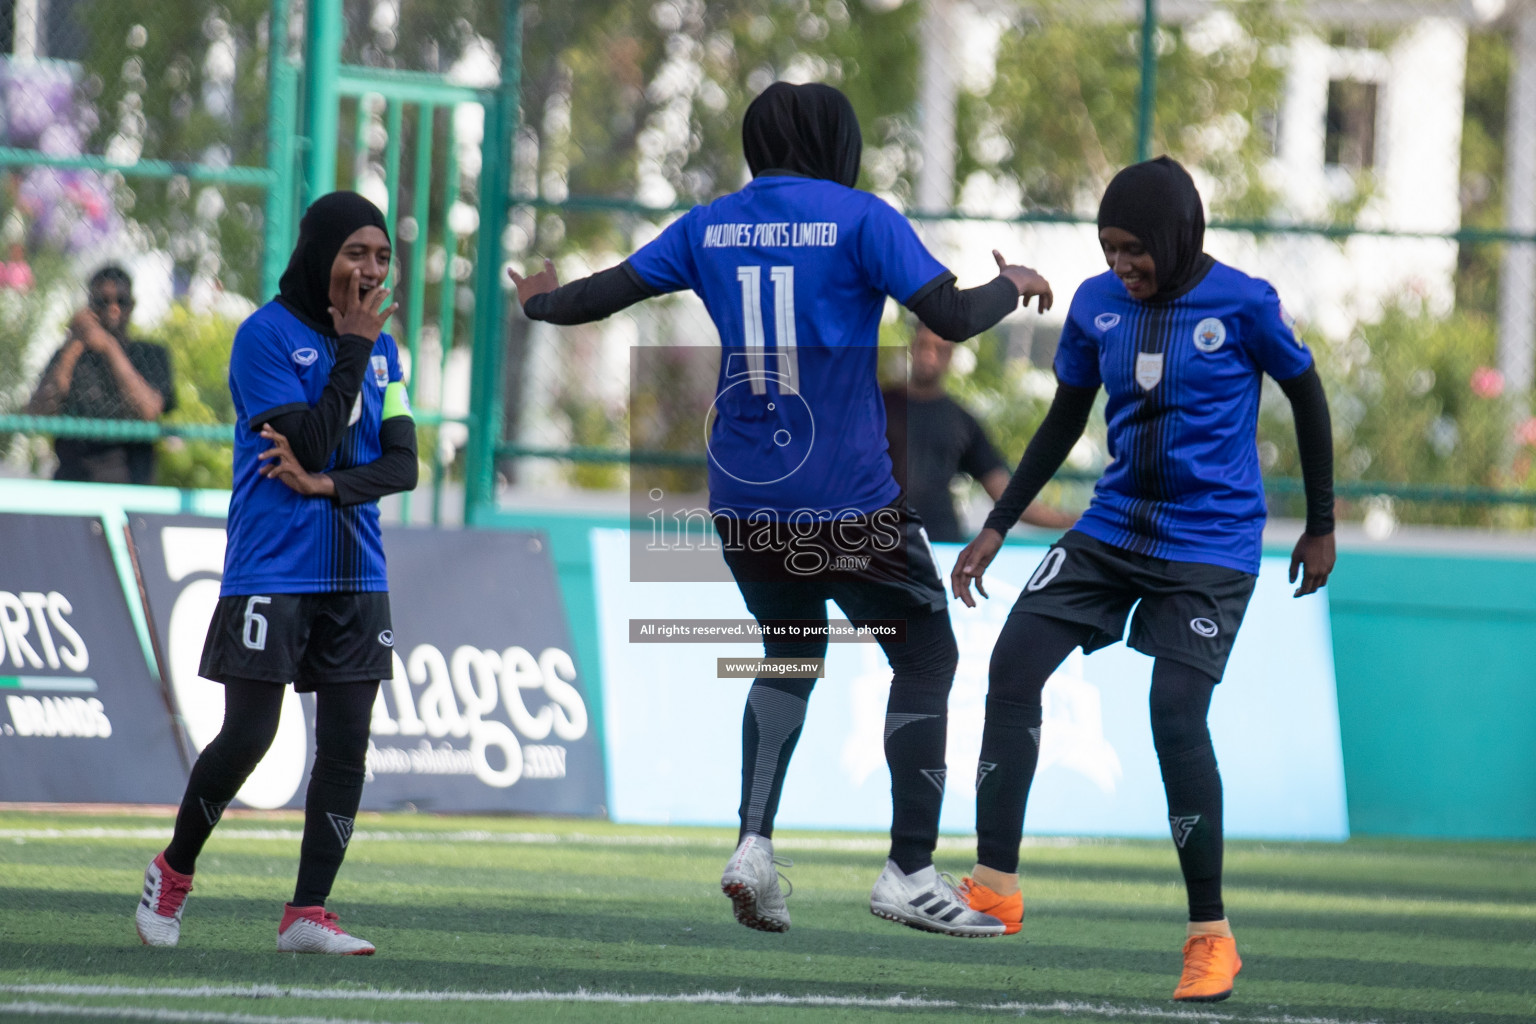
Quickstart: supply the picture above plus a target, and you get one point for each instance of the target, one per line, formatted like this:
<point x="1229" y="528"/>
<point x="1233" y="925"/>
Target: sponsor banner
<point x="673" y="733"/>
<point x="484" y="711"/>
<point x="82" y="717"/>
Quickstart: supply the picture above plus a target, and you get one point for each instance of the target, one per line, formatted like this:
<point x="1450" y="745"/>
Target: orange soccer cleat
<point x="1210" y="964"/>
<point x="1007" y="909"/>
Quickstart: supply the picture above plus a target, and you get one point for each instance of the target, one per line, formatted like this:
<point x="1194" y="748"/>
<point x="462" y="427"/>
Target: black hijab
<point x="805" y="129"/>
<point x="330" y="220"/>
<point x="1157" y="202"/>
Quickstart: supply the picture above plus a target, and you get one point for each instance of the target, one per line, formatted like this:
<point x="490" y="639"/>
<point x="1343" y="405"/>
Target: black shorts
<point x="1189" y="611"/>
<point x="875" y="566"/>
<point x="306" y="639"/>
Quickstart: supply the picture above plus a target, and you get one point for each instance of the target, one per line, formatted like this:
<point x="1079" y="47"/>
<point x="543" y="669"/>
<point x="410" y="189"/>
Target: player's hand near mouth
<point x="361" y="313"/>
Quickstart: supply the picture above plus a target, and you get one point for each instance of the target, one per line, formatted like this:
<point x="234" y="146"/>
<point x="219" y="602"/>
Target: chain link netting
<point x="1355" y="154"/>
<point x="1375" y="160"/>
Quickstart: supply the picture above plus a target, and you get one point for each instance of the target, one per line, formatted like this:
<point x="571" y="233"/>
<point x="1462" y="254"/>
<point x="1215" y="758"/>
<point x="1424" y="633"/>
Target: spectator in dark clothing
<point x="98" y="373"/>
<point x="932" y="438"/>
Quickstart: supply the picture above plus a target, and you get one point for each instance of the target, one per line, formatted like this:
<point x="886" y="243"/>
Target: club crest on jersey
<point x="305" y="356"/>
<point x="1104" y="321"/>
<point x="1149" y="369"/>
<point x="380" y="371"/>
<point x="1210" y="334"/>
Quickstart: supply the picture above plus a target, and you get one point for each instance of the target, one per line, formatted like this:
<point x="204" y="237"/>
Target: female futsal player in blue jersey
<point x="795" y="269"/>
<point x="1181" y="344"/>
<point x="324" y="431"/>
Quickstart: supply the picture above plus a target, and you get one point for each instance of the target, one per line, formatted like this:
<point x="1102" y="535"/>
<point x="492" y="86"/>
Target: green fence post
<point x="322" y="64"/>
<point x="485" y="374"/>
<point x="416" y="282"/>
<point x="1147" y="114"/>
<point x="394" y="126"/>
<point x="282" y="106"/>
<point x="447" y="295"/>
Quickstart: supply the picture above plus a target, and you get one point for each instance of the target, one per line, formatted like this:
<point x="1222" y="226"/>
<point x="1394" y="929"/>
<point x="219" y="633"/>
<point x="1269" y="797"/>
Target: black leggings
<point x="916" y="724"/>
<point x="252" y="709"/>
<point x="1028" y="650"/>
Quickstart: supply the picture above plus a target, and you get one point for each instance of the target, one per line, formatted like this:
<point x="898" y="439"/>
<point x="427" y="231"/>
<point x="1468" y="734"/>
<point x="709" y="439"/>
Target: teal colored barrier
<point x="1436" y="664"/>
<point x="1435" y="657"/>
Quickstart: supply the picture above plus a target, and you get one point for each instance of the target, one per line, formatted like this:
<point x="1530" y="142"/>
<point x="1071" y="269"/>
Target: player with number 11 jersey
<point x="795" y="269"/>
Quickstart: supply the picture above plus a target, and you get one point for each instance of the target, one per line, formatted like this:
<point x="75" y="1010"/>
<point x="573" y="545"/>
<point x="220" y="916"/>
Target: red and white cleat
<point x="314" y="930"/>
<point x="158" y="917"/>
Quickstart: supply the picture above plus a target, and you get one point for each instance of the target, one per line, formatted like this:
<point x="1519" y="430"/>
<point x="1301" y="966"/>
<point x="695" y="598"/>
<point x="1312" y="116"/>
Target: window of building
<point x="1350" y="139"/>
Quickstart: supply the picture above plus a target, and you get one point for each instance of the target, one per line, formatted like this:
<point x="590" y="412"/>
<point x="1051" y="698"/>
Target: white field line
<point x="1085" y="1010"/>
<point x="871" y="845"/>
<point x="53" y="1011"/>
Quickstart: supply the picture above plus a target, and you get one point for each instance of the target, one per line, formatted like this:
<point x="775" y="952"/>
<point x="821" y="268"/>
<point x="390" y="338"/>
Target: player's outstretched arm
<point x="957" y="314"/>
<point x="544" y="281"/>
<point x="1314" y="553"/>
<point x="1028" y="281"/>
<point x="582" y="301"/>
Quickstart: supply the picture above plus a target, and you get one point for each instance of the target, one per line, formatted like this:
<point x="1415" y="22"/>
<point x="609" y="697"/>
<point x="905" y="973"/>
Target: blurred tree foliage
<point x="1061" y="115"/>
<point x="1482" y="167"/>
<point x="1413" y="398"/>
<point x="199" y="344"/>
<point x="185" y="80"/>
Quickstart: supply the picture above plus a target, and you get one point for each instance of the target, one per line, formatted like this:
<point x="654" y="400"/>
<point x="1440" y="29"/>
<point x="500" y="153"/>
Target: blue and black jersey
<point x="282" y="542"/>
<point x="1183" y="380"/>
<point x="795" y="272"/>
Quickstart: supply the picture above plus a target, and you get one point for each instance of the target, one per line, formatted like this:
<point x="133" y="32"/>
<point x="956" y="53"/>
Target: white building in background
<point x="1386" y="117"/>
<point x="1389" y="116"/>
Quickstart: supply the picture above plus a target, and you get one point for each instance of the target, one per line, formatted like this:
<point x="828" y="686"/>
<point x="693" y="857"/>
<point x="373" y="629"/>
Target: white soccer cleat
<point x="927" y="900"/>
<point x="752" y="882"/>
<point x="158" y="917"/>
<point x="314" y="930"/>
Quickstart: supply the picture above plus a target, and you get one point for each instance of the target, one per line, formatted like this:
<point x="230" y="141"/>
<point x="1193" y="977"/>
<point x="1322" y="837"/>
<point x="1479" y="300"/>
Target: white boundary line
<point x="1100" y="1011"/>
<point x="55" y="1010"/>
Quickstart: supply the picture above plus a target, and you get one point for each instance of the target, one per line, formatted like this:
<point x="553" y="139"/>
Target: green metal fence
<point x="393" y="133"/>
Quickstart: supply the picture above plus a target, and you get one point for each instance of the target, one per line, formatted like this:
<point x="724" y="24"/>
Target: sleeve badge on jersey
<point x="305" y="356"/>
<point x="380" y="371"/>
<point x="1104" y="321"/>
<point x="1287" y="319"/>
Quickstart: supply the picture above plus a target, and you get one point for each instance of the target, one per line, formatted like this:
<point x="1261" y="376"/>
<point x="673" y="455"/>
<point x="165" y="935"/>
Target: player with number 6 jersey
<point x="324" y="431"/>
<point x="1181" y="343"/>
<point x="795" y="269"/>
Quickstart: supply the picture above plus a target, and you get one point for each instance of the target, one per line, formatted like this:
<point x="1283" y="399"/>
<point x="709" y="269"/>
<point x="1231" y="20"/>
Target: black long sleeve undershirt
<point x="1068" y="416"/>
<point x="1063" y="424"/>
<point x="1314" y="443"/>
<point x="959" y="314"/>
<point x="949" y="311"/>
<point x="595" y="297"/>
<point x="315" y="432"/>
<point x="395" y="470"/>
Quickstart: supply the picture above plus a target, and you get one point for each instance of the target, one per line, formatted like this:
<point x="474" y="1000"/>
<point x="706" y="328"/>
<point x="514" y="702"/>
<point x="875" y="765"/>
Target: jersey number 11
<point x="751" y="278"/>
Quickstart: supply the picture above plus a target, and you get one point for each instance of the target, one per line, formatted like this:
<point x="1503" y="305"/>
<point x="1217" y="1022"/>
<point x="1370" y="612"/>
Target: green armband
<point x="396" y="403"/>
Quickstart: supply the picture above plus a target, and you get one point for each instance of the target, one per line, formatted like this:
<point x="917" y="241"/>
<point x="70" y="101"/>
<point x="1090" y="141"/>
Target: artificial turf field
<point x="497" y="919"/>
